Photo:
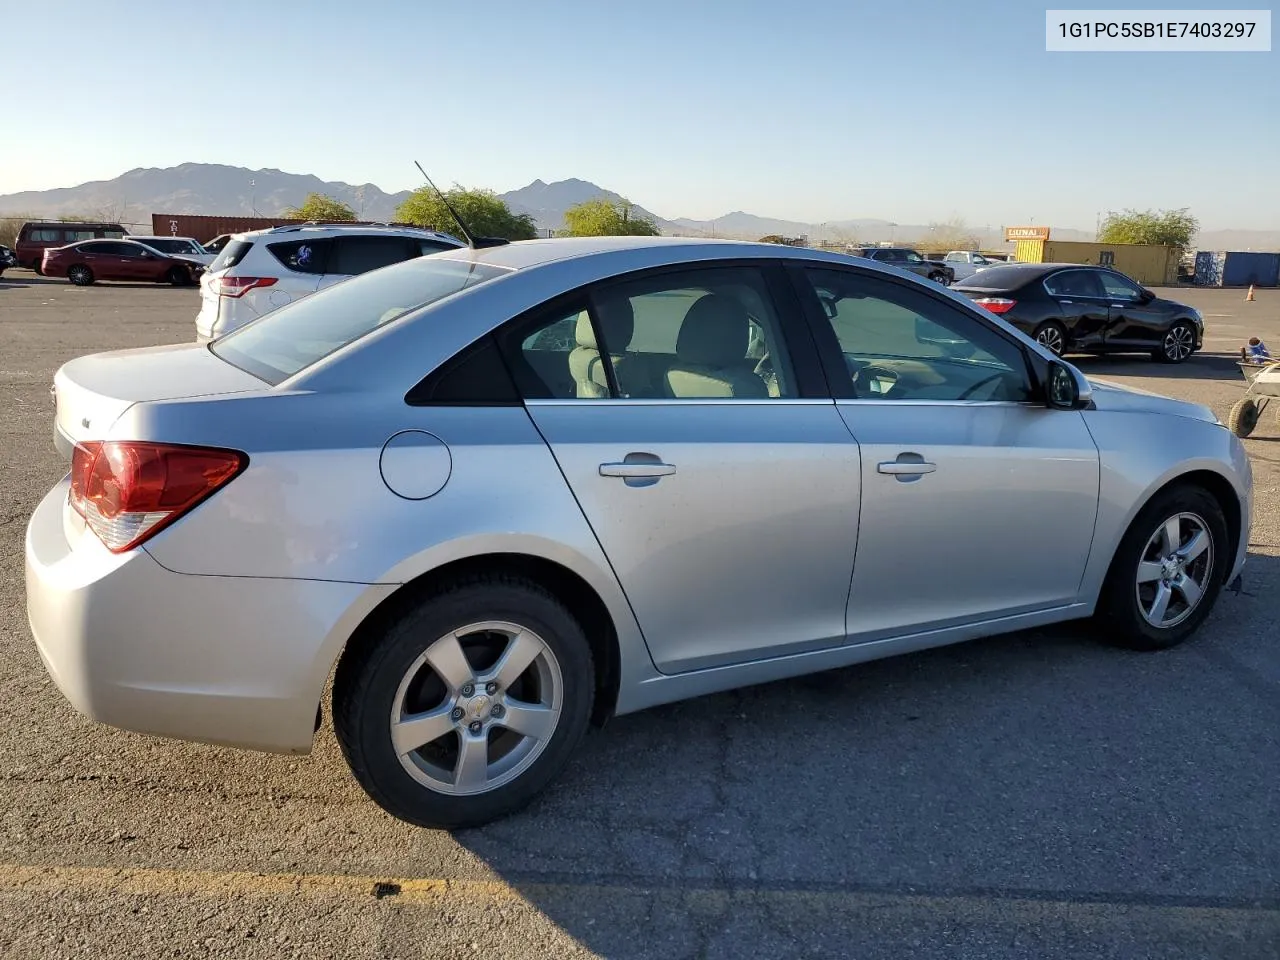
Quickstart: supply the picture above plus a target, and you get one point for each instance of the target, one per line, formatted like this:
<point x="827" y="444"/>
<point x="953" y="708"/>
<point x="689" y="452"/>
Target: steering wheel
<point x="985" y="380"/>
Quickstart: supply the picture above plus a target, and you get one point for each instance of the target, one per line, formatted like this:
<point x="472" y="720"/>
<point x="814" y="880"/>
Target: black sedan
<point x="1071" y="308"/>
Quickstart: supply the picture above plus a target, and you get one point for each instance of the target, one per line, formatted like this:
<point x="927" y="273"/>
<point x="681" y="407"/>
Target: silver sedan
<point x="501" y="494"/>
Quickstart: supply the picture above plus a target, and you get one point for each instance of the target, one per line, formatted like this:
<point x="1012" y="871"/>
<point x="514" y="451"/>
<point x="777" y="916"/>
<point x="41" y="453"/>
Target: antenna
<point x="472" y="242"/>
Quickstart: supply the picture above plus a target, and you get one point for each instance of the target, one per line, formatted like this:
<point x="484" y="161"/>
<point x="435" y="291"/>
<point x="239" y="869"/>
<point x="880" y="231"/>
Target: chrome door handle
<point x="906" y="469"/>
<point x="1064" y="301"/>
<point x="642" y="470"/>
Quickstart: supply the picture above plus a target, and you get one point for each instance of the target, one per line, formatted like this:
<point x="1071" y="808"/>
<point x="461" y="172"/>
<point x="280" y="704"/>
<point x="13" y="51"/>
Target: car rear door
<point x="978" y="501"/>
<point x="100" y="257"/>
<point x="1080" y="305"/>
<point x="707" y="456"/>
<point x="352" y="255"/>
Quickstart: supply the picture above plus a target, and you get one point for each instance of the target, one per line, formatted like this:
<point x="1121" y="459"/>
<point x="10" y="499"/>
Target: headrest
<point x="715" y="332"/>
<point x="617" y="322"/>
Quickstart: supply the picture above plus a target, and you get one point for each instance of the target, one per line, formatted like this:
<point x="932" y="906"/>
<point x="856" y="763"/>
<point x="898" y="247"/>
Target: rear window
<point x="995" y="278"/>
<point x="277" y="346"/>
<point x="231" y="255"/>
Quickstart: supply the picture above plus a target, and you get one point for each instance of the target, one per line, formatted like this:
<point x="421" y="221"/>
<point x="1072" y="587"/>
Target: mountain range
<point x="218" y="189"/>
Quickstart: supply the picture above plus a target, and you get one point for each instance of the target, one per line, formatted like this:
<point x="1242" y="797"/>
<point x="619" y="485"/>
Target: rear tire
<point x="399" y="678"/>
<point x="1052" y="336"/>
<point x="939" y="278"/>
<point x="80" y="275"/>
<point x="1144" y="565"/>
<point x="36" y="268"/>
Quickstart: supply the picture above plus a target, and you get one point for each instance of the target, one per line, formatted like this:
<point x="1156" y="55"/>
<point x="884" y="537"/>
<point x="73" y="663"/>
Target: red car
<point x="89" y="260"/>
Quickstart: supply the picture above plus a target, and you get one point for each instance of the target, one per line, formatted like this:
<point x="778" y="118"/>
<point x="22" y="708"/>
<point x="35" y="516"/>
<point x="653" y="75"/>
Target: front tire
<point x="179" y="277"/>
<point x="80" y="275"/>
<point x="468" y="704"/>
<point x="1167" y="571"/>
<point x="1178" y="343"/>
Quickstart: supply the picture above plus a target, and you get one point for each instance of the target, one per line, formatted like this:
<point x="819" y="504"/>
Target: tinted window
<point x="902" y="344"/>
<point x="301" y="256"/>
<point x="691" y="334"/>
<point x="231" y="254"/>
<point x="1073" y="283"/>
<point x="167" y="245"/>
<point x="292" y="338"/>
<point x="996" y="278"/>
<point x="355" y="255"/>
<point x="74" y="235"/>
<point x="130" y="249"/>
<point x="1117" y="286"/>
<point x="102" y="247"/>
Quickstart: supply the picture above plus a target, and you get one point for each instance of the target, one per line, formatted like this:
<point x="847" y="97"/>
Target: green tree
<point x="317" y="206"/>
<point x="1175" y="228"/>
<point x="774" y="238"/>
<point x="486" y="214"/>
<point x="607" y="218"/>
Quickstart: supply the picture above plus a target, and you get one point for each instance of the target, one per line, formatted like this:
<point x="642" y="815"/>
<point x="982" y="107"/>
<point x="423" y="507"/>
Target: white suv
<point x="262" y="270"/>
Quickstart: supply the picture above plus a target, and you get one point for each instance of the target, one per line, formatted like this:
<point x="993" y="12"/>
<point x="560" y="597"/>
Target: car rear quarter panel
<point x="1140" y="453"/>
<point x="313" y="504"/>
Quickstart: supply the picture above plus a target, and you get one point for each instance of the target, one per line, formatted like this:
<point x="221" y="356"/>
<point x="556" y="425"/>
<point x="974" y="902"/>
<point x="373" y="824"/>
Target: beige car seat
<point x="711" y="352"/>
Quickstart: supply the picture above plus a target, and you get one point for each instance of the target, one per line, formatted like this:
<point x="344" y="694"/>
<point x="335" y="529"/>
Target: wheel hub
<point x="479" y="707"/>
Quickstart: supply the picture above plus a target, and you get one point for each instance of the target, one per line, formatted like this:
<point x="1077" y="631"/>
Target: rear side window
<point x="301" y="256"/>
<point x="277" y="346"/>
<point x="231" y="254"/>
<point x="995" y="278"/>
<point x="355" y="255"/>
<point x="46" y="235"/>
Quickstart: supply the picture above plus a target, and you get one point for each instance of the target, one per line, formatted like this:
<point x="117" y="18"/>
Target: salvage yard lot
<point x="1036" y="796"/>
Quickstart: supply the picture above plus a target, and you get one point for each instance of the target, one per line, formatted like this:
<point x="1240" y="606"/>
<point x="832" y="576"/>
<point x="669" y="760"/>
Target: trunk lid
<point x="91" y="392"/>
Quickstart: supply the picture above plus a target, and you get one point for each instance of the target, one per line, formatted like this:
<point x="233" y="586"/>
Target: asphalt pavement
<point x="1030" y="796"/>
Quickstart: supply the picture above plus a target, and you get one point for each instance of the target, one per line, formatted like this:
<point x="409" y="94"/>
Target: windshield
<point x="287" y="340"/>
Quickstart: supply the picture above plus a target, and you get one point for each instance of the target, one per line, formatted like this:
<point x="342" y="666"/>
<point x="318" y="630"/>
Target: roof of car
<point x="532" y="253"/>
<point x="305" y="228"/>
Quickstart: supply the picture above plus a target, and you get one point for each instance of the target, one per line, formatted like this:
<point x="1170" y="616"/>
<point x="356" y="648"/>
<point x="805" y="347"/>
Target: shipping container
<point x="1221" y="268"/>
<point x="202" y="229"/>
<point x="1148" y="263"/>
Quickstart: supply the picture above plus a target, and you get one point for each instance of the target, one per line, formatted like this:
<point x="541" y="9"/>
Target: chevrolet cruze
<point x="499" y="494"/>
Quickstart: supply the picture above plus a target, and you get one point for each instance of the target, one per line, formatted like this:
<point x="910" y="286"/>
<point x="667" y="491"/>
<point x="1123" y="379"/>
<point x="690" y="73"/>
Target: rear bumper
<point x="238" y="661"/>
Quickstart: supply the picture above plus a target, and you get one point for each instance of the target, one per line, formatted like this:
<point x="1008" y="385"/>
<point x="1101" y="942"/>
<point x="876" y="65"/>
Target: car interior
<point x="707" y="342"/>
<point x="893" y="353"/>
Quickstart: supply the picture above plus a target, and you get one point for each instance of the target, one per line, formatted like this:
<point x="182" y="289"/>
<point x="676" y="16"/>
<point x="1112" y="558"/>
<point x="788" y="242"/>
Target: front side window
<point x="1117" y="286"/>
<point x="683" y="335"/>
<point x="902" y="344"/>
<point x="912" y="257"/>
<point x="287" y="340"/>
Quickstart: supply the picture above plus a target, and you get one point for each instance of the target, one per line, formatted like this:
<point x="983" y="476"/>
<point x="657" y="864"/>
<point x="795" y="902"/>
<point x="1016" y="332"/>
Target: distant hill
<point x="213" y="189"/>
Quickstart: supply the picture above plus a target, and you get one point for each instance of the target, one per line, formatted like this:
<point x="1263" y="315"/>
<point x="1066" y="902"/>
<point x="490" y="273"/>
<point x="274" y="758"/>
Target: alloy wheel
<point x="1179" y="342"/>
<point x="477" y="708"/>
<point x="1051" y="337"/>
<point x="1174" y="570"/>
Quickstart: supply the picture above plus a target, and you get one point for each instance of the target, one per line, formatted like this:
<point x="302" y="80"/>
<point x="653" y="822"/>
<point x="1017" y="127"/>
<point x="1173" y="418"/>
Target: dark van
<point x="36" y="236"/>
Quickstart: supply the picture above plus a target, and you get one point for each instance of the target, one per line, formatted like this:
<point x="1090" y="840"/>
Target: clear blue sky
<point x="822" y="110"/>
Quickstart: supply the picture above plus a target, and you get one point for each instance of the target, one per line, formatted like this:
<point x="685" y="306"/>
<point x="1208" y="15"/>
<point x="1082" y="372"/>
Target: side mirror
<point x="1146" y="296"/>
<point x="1064" y="389"/>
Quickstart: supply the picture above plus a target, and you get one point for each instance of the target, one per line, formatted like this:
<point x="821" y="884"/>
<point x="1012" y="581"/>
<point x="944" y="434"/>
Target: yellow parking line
<point x="817" y="905"/>
<point x="212" y="883"/>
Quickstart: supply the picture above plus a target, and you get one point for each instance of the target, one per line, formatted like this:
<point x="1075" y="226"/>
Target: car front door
<point x="1132" y="323"/>
<point x="978" y="501"/>
<point x="692" y="422"/>
<point x="1081" y="307"/>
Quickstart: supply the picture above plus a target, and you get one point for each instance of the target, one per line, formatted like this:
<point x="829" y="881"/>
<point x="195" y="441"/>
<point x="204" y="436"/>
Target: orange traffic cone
<point x="1249" y="296"/>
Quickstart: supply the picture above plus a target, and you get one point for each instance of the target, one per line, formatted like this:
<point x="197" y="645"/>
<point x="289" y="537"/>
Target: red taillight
<point x="239" y="286"/>
<point x="996" y="304"/>
<point x="128" y="491"/>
